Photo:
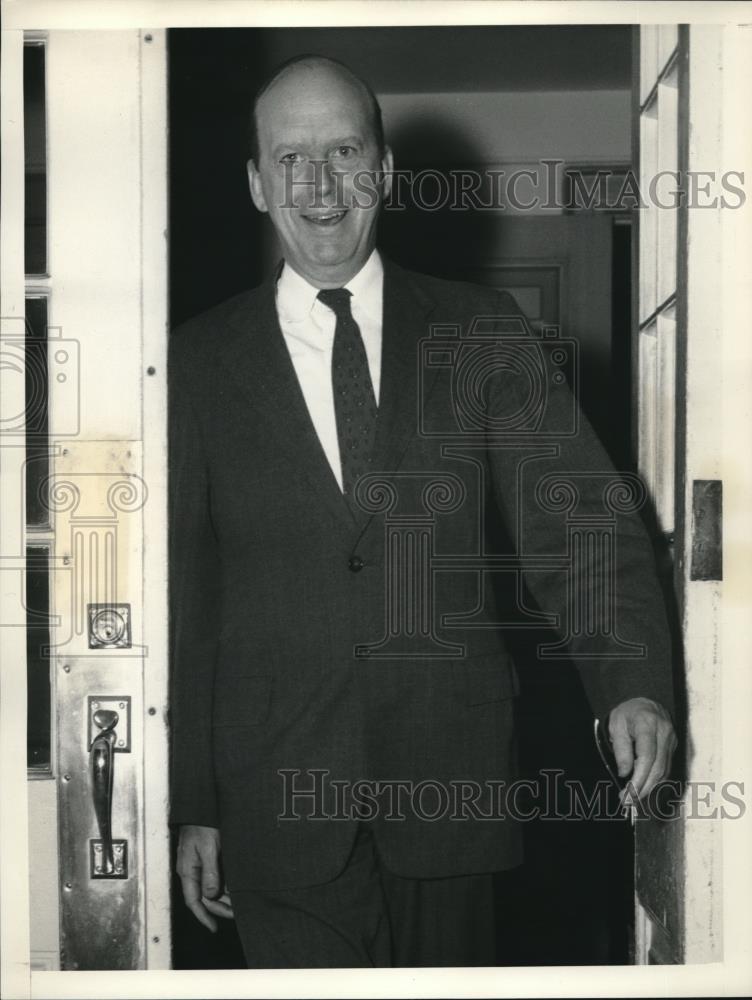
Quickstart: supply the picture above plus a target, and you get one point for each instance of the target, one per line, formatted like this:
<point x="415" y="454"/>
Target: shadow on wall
<point x="441" y="240"/>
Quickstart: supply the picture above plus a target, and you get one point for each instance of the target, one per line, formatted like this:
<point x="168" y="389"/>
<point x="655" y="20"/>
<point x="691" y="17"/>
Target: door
<point x="84" y="490"/>
<point x="95" y="307"/>
<point x="688" y="290"/>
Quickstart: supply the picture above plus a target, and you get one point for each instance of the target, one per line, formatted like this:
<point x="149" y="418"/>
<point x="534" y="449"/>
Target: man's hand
<point x="198" y="868"/>
<point x="643" y="739"/>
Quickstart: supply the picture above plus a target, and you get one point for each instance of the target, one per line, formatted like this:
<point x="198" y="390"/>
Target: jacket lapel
<point x="407" y="311"/>
<point x="406" y="322"/>
<point x="256" y="358"/>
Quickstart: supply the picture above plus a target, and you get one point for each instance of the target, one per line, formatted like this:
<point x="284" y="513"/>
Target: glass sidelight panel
<point x="37" y="466"/>
<point x="668" y="160"/>
<point x="37" y="413"/>
<point x="649" y="214"/>
<point x="647" y="387"/>
<point x="657" y="398"/>
<point x="666" y="419"/>
<point x="37" y="657"/>
<point x="35" y="159"/>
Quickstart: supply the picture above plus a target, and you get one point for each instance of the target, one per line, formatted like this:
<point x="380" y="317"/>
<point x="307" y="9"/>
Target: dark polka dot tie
<point x="354" y="399"/>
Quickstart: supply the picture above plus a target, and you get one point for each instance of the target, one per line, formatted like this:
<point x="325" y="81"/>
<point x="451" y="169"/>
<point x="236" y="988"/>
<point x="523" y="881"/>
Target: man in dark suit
<point x="320" y="661"/>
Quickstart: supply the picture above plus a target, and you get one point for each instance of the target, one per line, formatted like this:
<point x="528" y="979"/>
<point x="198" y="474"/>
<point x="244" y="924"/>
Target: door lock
<point x="109" y="626"/>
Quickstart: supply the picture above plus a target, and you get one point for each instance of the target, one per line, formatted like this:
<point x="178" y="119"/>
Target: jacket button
<point x="355" y="564"/>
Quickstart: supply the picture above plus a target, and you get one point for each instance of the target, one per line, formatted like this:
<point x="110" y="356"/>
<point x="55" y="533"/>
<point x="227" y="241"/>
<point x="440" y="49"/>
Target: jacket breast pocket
<point x="487" y="678"/>
<point x="242" y="699"/>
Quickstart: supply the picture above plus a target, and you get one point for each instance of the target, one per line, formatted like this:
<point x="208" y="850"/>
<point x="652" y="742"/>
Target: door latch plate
<point x="707" y="530"/>
<point x="97" y="860"/>
<point x="121" y="704"/>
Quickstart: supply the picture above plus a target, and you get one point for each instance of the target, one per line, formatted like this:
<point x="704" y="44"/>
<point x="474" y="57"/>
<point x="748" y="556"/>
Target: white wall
<point x="522" y="126"/>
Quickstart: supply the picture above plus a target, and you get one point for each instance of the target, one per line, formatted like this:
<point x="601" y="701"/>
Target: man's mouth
<point x="326" y="219"/>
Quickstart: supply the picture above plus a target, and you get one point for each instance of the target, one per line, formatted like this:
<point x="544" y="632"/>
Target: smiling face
<point x="318" y="170"/>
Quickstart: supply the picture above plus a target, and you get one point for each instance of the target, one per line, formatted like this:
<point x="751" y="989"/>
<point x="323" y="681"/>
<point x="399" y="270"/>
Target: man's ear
<point x="387" y="166"/>
<point x="254" y="183"/>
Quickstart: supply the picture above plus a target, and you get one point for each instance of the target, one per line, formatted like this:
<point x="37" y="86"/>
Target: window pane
<point x="35" y="160"/>
<point x="37" y="398"/>
<point x="37" y="657"/>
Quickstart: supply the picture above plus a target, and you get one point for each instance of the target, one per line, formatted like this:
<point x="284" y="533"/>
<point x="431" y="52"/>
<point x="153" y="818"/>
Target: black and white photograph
<point x="375" y="480"/>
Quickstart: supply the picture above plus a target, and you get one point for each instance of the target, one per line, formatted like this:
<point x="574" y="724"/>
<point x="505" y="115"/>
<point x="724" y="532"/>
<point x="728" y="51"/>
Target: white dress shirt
<point x="308" y="329"/>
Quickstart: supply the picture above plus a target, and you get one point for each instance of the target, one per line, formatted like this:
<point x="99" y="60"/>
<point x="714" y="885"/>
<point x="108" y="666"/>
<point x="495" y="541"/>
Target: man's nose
<point x="323" y="179"/>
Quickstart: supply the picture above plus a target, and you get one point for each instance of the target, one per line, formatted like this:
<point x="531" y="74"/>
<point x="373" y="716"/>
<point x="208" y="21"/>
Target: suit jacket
<point x="276" y="584"/>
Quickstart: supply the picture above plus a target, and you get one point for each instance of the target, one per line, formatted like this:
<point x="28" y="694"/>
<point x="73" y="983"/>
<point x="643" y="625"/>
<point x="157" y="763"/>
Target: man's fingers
<point x="646" y="746"/>
<point x="204" y="917"/>
<point x="220" y="907"/>
<point x="656" y="774"/>
<point x="198" y="868"/>
<point x="665" y="745"/>
<point x="190" y="880"/>
<point x="201" y="858"/>
<point x="643" y="739"/>
<point x="210" y="881"/>
<point x="622" y="745"/>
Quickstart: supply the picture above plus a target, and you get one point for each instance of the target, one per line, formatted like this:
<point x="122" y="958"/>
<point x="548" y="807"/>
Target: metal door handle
<point x="102" y="772"/>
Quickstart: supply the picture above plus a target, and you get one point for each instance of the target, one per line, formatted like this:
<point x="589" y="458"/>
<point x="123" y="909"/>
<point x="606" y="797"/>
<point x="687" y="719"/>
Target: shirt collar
<point x="296" y="297"/>
<point x="367" y="283"/>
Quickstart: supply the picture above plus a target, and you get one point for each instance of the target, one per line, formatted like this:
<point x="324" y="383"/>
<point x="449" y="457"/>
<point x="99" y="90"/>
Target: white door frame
<point x="14" y="830"/>
<point x="684" y="898"/>
<point x="107" y="287"/>
<point x="733" y="411"/>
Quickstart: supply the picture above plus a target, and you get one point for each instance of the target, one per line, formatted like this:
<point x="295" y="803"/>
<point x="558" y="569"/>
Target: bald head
<point x="299" y="75"/>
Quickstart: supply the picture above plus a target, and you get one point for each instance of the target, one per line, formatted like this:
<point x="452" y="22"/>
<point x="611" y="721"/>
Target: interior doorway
<point x="112" y="83"/>
<point x="575" y="265"/>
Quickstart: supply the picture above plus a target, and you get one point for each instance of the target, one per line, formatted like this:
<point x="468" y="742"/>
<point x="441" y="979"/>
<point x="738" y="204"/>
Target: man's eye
<point x="290" y="158"/>
<point x="342" y="152"/>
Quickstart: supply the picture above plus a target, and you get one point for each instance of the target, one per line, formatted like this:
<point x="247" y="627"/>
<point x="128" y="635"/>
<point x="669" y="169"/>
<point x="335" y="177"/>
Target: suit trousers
<point x="368" y="917"/>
